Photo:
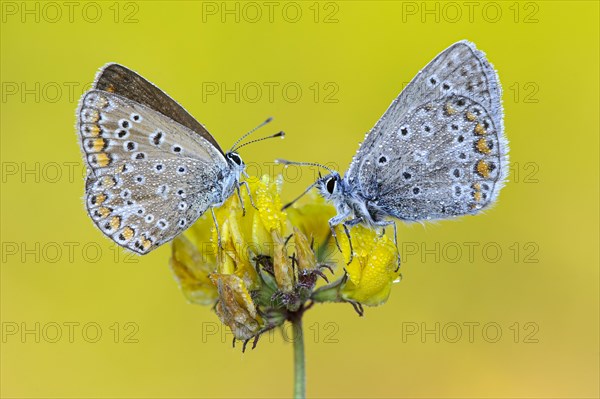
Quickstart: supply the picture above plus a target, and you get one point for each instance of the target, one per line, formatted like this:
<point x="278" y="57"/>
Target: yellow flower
<point x="282" y="267"/>
<point x="269" y="218"/>
<point x="235" y="307"/>
<point x="191" y="268"/>
<point x="236" y="256"/>
<point x="311" y="217"/>
<point x="374" y="266"/>
<point x="270" y="260"/>
<point x="305" y="256"/>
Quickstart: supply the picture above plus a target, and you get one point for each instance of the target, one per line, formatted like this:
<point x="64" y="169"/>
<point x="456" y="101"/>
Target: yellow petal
<point x="200" y="234"/>
<point x="261" y="238"/>
<point x="304" y="253"/>
<point x="373" y="268"/>
<point x="191" y="271"/>
<point x="269" y="205"/>
<point x="235" y="248"/>
<point x="282" y="265"/>
<point x="269" y="217"/>
<point x="312" y="216"/>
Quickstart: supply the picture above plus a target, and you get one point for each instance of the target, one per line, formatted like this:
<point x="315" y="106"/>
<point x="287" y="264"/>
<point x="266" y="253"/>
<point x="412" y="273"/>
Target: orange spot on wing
<point x="104" y="211"/>
<point x="98" y="199"/>
<point x="98" y="145"/>
<point x="94" y="115"/>
<point x="128" y="233"/>
<point x="482" y="146"/>
<point x="108" y="181"/>
<point x="102" y="102"/>
<point x="93" y="130"/>
<point x="115" y="222"/>
<point x="479" y="129"/>
<point x="483" y="168"/>
<point x="103" y="159"/>
<point x="146" y="243"/>
<point x="477" y="193"/>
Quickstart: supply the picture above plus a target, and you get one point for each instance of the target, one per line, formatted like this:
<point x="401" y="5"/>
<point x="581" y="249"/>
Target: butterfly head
<point x="331" y="186"/>
<point x="235" y="161"/>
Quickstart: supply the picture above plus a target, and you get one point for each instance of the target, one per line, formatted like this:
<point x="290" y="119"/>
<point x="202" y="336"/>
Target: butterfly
<point x="438" y="151"/>
<point x="152" y="169"/>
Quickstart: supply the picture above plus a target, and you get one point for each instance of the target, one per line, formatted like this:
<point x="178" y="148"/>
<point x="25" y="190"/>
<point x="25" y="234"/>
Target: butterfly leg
<point x="348" y="224"/>
<point x="239" y="194"/>
<point x="347" y="231"/>
<point x="353" y="222"/>
<point x="212" y="211"/>
<point x="334" y="221"/>
<point x="334" y="235"/>
<point x="245" y="184"/>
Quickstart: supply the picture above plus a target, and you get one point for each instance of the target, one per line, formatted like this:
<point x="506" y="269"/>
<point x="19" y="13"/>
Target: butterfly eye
<point x="235" y="158"/>
<point x="330" y="185"/>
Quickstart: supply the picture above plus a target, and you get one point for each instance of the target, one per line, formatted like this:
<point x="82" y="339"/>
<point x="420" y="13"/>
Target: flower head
<point x="270" y="260"/>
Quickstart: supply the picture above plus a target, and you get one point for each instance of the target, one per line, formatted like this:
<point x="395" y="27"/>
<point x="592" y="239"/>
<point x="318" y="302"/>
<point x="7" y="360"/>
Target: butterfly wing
<point x="149" y="177"/>
<point x="117" y="79"/>
<point x="449" y="163"/>
<point x="439" y="150"/>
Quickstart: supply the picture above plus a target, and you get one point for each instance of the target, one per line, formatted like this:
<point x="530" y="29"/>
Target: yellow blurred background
<point x="500" y="305"/>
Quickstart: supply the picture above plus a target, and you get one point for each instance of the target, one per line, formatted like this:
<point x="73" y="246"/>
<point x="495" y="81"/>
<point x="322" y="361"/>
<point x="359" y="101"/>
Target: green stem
<point x="299" y="366"/>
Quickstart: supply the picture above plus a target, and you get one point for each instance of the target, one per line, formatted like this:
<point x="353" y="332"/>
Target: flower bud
<point x="235" y="307"/>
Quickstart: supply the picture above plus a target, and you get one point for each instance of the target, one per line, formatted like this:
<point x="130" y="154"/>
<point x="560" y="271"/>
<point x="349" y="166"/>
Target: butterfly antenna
<point x="298" y="197"/>
<point x="250" y="132"/>
<point x="286" y="162"/>
<point x="280" y="134"/>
